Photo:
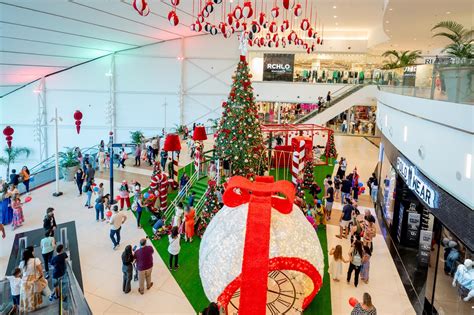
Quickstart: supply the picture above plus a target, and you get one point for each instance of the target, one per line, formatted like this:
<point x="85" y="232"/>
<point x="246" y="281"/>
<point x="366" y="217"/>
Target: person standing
<point x="138" y="154"/>
<point x="127" y="268"/>
<point x="191" y="199"/>
<point x="25" y="175"/>
<point x="48" y="244"/>
<point x="59" y="264"/>
<point x="346" y="187"/>
<point x="174" y="247"/>
<point x="101" y="159"/>
<point x="365" y="268"/>
<point x="189" y="215"/>
<point x="155" y="147"/>
<point x="14" y="178"/>
<point x="124" y="193"/>
<point x="328" y="99"/>
<point x="79" y="177"/>
<point x="335" y="266"/>
<point x="346" y="217"/>
<point x="15" y="284"/>
<point x="116" y="220"/>
<point x="99" y="209"/>
<point x="325" y="183"/>
<point x="17" y="207"/>
<point x="139" y="208"/>
<point x="329" y="199"/>
<point x="88" y="191"/>
<point x="341" y="170"/>
<point x="49" y="222"/>
<point x="164" y="158"/>
<point x="144" y="258"/>
<point x="355" y="261"/>
<point x="90" y="173"/>
<point x="337" y="187"/>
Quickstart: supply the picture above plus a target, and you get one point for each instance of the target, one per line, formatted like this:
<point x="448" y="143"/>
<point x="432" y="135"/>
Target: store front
<point x="430" y="234"/>
<point x="283" y="112"/>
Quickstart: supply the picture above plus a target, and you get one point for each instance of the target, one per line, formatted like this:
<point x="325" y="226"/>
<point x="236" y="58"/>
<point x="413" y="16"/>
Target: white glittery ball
<point x="222" y="245"/>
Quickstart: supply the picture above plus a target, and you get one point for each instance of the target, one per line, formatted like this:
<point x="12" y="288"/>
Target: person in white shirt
<point x="116" y="220"/>
<point x="48" y="244"/>
<point x="178" y="215"/>
<point x="15" y="284"/>
<point x="174" y="248"/>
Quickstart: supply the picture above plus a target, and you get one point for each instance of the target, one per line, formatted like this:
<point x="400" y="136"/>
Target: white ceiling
<point x="41" y="37"/>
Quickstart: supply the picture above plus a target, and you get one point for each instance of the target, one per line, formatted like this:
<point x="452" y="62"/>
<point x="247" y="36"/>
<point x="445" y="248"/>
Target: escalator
<point x="71" y="299"/>
<point x="361" y="94"/>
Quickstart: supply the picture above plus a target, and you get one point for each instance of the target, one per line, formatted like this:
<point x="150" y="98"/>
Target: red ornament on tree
<point x="8" y="132"/>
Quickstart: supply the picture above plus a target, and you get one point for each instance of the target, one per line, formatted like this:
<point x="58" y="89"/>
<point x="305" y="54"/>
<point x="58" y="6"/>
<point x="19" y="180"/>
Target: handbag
<point x="40" y="283"/>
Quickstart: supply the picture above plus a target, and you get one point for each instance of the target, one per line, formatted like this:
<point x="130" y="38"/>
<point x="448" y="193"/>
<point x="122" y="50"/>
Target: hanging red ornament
<point x="217" y="1"/>
<point x="275" y="12"/>
<point x="192" y="27"/>
<point x="318" y="40"/>
<point x="207" y="27"/>
<point x="292" y="36"/>
<point x="287" y="4"/>
<point x="250" y="43"/>
<point x="209" y="7"/>
<point x="77" y="117"/>
<point x="238" y="12"/>
<point x="198" y="27"/>
<point x="244" y="26"/>
<point x="146" y="11"/>
<point x="310" y="32"/>
<point x="261" y="18"/>
<point x="230" y="19"/>
<point x="204" y="13"/>
<point x="273" y="27"/>
<point x="141" y="6"/>
<point x="312" y="48"/>
<point x="237" y="24"/>
<point x="285" y="25"/>
<point x="255" y="27"/>
<point x="247" y="10"/>
<point x="213" y="30"/>
<point x="263" y="42"/>
<point x="275" y="38"/>
<point x="175" y="2"/>
<point x="297" y="10"/>
<point x="268" y="36"/>
<point x="305" y="24"/>
<point x="173" y="18"/>
<point x="8" y="132"/>
<point x="200" y="18"/>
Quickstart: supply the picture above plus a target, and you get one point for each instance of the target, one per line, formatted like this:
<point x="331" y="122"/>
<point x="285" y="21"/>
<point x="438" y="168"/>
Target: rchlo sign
<point x="278" y="67"/>
<point x="416" y="183"/>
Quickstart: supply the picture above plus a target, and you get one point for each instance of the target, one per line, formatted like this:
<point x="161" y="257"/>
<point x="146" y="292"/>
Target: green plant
<point x="402" y="58"/>
<point x="461" y="39"/>
<point x="68" y="158"/>
<point x="179" y="128"/>
<point x="137" y="137"/>
<point x="12" y="154"/>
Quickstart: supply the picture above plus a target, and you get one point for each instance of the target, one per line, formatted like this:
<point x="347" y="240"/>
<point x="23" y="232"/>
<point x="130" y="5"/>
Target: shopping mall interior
<point x="334" y="138"/>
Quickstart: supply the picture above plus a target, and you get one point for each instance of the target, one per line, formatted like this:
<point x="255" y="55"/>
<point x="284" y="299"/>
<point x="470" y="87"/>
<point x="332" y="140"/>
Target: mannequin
<point x="464" y="278"/>
<point x="452" y="257"/>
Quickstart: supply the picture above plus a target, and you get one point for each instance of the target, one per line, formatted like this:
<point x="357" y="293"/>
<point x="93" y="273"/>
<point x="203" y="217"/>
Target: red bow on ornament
<point x="256" y="263"/>
<point x="77" y="118"/>
<point x="141" y="6"/>
<point x="8" y="132"/>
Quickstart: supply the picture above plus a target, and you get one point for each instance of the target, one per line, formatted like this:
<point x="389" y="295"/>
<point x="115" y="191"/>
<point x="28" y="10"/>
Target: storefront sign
<point x="409" y="76"/>
<point x="278" y="67"/>
<point x="417" y="184"/>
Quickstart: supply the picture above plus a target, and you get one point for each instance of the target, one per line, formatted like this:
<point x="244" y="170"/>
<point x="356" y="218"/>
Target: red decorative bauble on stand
<point x="8" y="132"/>
<point x="77" y="118"/>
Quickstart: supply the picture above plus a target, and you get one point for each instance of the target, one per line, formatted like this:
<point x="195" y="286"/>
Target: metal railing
<point x="182" y="193"/>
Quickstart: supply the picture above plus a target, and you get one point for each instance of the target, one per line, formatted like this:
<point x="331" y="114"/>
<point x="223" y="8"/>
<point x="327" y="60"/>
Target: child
<point x="18" y="218"/>
<point x="191" y="199"/>
<point x="124" y="195"/>
<point x="15" y="283"/>
<point x="107" y="160"/>
<point x="311" y="220"/>
<point x="174" y="247"/>
<point x="59" y="264"/>
<point x="364" y="272"/>
<point x="335" y="266"/>
<point x="320" y="218"/>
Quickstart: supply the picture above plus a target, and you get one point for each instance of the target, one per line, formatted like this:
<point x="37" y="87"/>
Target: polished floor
<point x="101" y="266"/>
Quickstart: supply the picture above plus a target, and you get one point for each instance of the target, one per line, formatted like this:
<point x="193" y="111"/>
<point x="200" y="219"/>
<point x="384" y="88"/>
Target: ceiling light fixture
<point x="334" y="7"/>
<point x="390" y="9"/>
<point x="448" y="12"/>
<point x="337" y="23"/>
<point x="335" y="16"/>
<point x="387" y="22"/>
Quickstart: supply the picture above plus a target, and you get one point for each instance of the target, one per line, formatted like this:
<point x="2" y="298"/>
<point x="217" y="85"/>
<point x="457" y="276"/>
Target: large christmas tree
<point x="211" y="207"/>
<point x="331" y="147"/>
<point x="308" y="173"/>
<point x="239" y="136"/>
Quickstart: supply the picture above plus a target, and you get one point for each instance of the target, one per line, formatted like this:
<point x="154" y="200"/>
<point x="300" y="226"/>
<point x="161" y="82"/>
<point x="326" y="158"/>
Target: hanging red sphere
<point x="261" y="18"/>
<point x="297" y="10"/>
<point x="275" y="12"/>
<point x="273" y="27"/>
<point x="200" y="18"/>
<point x="310" y="32"/>
<point x="230" y="18"/>
<point x="198" y="27"/>
<point x="287" y="4"/>
<point x="238" y="12"/>
<point x="175" y="2"/>
<point x="77" y="117"/>
<point x="209" y="7"/>
<point x="173" y="18"/>
<point x="8" y="132"/>
<point x="305" y="24"/>
<point x="141" y="6"/>
<point x="247" y="10"/>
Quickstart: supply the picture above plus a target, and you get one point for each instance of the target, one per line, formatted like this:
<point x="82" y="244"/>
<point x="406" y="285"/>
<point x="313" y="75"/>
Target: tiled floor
<point x="101" y="266"/>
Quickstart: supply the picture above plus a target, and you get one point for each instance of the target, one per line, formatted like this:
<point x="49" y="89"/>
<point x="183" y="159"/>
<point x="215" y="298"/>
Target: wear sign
<point x="278" y="67"/>
<point x="416" y="183"/>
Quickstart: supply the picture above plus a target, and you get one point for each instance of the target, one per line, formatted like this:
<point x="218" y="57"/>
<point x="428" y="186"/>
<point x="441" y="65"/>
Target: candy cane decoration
<point x="198" y="157"/>
<point x="163" y="191"/>
<point x="174" y="169"/>
<point x="297" y="164"/>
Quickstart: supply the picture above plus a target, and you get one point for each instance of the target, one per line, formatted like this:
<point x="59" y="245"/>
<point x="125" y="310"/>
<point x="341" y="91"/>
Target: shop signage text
<point x="418" y="185"/>
<point x="278" y="67"/>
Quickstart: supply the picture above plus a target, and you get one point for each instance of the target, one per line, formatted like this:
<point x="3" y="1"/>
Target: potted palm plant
<point x="457" y="77"/>
<point x="402" y="58"/>
<point x="12" y="154"/>
<point x="137" y="137"/>
<point x="69" y="163"/>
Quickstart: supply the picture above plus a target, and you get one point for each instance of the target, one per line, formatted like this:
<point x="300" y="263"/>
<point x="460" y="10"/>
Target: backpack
<point x="356" y="259"/>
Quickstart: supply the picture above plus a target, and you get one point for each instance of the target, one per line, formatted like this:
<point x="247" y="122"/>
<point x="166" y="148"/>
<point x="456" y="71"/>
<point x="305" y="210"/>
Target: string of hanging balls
<point x="256" y="28"/>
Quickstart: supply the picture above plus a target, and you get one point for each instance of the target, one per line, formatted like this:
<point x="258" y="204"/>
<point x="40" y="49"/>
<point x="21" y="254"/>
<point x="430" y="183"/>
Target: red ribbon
<point x="255" y="264"/>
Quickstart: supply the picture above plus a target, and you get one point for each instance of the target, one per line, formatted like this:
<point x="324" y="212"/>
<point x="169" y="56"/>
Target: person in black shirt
<point x="59" y="264"/>
<point x="127" y="268"/>
<point x="346" y="217"/>
<point x="14" y="178"/>
<point x="346" y="186"/>
<point x="314" y="189"/>
<point x="279" y="140"/>
<point x="372" y="181"/>
<point x="329" y="200"/>
<point x="49" y="222"/>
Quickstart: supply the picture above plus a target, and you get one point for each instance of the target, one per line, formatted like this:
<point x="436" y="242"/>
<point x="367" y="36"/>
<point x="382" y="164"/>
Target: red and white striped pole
<point x="163" y="190"/>
<point x="297" y="163"/>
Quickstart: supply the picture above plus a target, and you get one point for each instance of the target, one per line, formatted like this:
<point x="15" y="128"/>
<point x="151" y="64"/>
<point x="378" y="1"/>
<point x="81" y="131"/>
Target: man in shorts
<point x="345" y="220"/>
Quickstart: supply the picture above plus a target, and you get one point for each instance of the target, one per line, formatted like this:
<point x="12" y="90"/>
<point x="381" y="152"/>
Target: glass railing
<point x="72" y="300"/>
<point x="443" y="82"/>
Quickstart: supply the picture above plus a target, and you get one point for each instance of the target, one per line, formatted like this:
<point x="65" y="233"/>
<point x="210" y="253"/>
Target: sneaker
<point x="114" y="247"/>
<point x="47" y="276"/>
<point x="151" y="284"/>
<point x="52" y="297"/>
<point x="176" y="268"/>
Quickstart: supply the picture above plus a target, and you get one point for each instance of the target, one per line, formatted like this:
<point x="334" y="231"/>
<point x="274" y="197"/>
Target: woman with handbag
<point x="33" y="283"/>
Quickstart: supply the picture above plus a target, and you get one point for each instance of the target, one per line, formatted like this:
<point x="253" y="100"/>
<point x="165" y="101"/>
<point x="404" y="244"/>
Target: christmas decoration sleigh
<point x="259" y="254"/>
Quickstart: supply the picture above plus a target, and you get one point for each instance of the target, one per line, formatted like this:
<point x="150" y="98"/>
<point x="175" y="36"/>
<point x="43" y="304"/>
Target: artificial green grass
<point x="187" y="276"/>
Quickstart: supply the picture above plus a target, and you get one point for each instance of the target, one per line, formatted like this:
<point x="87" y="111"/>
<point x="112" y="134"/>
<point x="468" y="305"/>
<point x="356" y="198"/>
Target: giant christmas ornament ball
<point x="222" y="247"/>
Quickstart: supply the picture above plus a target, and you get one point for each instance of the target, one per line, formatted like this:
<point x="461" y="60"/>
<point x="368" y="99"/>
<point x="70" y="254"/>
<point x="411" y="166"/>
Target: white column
<point x="181" y="85"/>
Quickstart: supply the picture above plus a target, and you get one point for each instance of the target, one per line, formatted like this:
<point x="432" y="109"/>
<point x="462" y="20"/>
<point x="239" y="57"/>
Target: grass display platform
<point x="187" y="276"/>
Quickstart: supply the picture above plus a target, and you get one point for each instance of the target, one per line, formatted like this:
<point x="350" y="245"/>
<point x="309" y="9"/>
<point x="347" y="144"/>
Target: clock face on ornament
<point x="284" y="295"/>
